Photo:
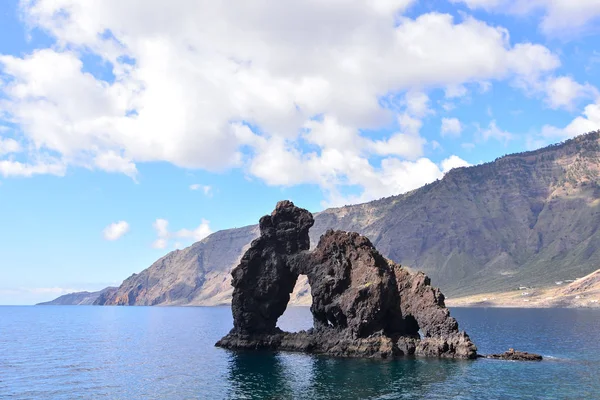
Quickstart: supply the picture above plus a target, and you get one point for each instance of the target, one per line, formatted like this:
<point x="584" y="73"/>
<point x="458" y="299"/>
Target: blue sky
<point x="129" y="131"/>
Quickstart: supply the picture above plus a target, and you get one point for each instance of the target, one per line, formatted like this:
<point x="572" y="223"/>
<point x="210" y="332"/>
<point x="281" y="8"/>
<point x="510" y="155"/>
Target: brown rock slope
<point x="363" y="305"/>
<point x="582" y="293"/>
<point x="527" y="219"/>
<point x="198" y="274"/>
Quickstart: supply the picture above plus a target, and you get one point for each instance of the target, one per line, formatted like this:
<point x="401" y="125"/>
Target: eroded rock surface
<point x="363" y="304"/>
<point x="264" y="278"/>
<point x="353" y="288"/>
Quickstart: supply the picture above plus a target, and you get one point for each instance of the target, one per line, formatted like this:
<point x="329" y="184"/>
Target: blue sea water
<point x="81" y="352"/>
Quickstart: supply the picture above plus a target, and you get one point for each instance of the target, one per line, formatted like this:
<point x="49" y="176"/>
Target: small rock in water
<point x="516" y="355"/>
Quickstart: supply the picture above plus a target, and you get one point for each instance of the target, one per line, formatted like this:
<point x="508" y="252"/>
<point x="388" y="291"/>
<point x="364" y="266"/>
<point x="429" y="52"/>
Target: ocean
<point x="87" y="352"/>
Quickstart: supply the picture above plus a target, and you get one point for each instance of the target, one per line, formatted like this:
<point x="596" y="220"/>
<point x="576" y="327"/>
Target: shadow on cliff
<point x="272" y="375"/>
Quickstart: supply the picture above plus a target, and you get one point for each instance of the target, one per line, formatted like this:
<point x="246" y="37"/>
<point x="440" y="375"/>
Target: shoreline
<point x="529" y="298"/>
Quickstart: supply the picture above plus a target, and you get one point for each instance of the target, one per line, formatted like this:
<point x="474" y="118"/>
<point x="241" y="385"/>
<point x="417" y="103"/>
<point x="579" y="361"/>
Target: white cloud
<point x="12" y="168"/>
<point x="484" y="86"/>
<point x="454" y="91"/>
<point x="557" y="91"/>
<point x="199" y="233"/>
<point x="565" y="17"/>
<point x="8" y="146"/>
<point x="203" y="71"/>
<point x="451" y="127"/>
<point x="343" y="157"/>
<point x="587" y="122"/>
<point x="9" y="168"/>
<point x="406" y="145"/>
<point x="110" y="161"/>
<point x="160" y="243"/>
<point x="161" y="226"/>
<point x="494" y="132"/>
<point x="206" y="189"/>
<point x="453" y="162"/>
<point x="397" y="176"/>
<point x="563" y="91"/>
<point x="115" y="230"/>
<point x="484" y="4"/>
<point x="448" y="106"/>
<point x="417" y="104"/>
<point x="387" y="7"/>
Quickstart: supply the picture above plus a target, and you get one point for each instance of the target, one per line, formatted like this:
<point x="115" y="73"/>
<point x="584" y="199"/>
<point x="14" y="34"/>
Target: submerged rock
<point x="515" y="355"/>
<point x="363" y="304"/>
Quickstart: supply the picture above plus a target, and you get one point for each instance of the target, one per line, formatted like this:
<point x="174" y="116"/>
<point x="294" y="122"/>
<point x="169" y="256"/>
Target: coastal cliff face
<point x="363" y="305"/>
<point x="528" y="219"/>
<point x="196" y="275"/>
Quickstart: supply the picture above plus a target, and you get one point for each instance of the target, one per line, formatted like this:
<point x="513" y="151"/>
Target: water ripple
<point x="168" y="353"/>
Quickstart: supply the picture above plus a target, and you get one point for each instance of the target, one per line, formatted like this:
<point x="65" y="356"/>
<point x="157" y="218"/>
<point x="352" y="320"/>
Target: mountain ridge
<point x="524" y="219"/>
<point x="84" y="298"/>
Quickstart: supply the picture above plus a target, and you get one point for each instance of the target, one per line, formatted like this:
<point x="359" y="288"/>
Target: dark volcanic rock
<point x="363" y="304"/>
<point x="264" y="279"/>
<point x="516" y="355"/>
<point x="353" y="287"/>
<point x="423" y="305"/>
<point x="424" y="302"/>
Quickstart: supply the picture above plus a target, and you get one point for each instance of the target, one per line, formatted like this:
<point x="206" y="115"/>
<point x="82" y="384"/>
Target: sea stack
<point x="363" y="304"/>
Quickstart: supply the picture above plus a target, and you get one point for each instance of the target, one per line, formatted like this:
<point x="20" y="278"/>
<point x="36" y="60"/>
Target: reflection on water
<point x="269" y="375"/>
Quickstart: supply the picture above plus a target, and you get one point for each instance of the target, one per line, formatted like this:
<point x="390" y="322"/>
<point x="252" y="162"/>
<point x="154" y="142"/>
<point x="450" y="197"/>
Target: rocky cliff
<point x="527" y="219"/>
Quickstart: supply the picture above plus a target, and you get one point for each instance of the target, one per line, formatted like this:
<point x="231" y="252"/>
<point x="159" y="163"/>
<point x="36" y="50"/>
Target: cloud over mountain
<point x="325" y="92"/>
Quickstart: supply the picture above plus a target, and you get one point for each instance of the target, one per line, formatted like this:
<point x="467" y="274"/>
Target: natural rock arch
<point x="363" y="304"/>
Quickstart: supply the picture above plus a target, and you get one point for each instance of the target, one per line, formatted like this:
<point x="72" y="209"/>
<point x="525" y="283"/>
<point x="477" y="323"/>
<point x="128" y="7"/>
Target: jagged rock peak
<point x="287" y="227"/>
<point x="363" y="304"/>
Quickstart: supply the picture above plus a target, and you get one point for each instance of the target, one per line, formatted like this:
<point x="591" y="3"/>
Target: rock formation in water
<point x="363" y="304"/>
<point x="515" y="355"/>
